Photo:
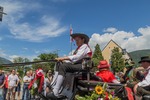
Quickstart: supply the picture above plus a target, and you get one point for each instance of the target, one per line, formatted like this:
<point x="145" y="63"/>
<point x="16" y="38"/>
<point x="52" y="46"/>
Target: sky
<point x="32" y="27"/>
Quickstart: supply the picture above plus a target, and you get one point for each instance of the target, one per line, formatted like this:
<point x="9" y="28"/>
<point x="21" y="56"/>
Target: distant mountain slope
<point x="4" y="61"/>
<point x="136" y="55"/>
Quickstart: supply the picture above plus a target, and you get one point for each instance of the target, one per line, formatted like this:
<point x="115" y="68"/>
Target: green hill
<point x="136" y="55"/>
<point x="4" y="61"/>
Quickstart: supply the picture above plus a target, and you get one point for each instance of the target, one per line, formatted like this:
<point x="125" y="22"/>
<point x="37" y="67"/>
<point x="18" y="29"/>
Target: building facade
<point x="107" y="51"/>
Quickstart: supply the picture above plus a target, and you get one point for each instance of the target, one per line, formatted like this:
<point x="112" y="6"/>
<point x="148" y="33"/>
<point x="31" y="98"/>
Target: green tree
<point x="97" y="55"/>
<point x="117" y="61"/>
<point x="21" y="69"/>
<point x="45" y="66"/>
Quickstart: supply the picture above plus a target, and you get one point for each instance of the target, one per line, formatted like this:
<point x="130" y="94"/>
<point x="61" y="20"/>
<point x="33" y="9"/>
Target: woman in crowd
<point x="105" y="74"/>
<point x="26" y="80"/>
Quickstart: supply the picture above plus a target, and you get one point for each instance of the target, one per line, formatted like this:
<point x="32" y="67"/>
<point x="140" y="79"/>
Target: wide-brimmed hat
<point x="103" y="64"/>
<point x="145" y="59"/>
<point x="82" y="35"/>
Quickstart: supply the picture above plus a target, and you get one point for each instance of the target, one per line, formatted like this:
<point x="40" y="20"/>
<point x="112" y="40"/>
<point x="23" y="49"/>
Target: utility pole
<point x="1" y="13"/>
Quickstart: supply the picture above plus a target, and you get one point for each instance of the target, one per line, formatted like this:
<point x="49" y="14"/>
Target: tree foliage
<point x="45" y="66"/>
<point x="97" y="55"/>
<point x="117" y="61"/>
<point x="21" y="69"/>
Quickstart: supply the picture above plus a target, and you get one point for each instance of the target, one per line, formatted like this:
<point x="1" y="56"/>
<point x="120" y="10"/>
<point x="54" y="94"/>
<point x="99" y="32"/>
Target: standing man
<point x="140" y="87"/>
<point x="13" y="81"/>
<point x="2" y="83"/>
<point x="71" y="63"/>
<point x="26" y="80"/>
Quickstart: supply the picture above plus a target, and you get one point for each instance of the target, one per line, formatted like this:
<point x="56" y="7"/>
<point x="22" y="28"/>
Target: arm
<point x="62" y="58"/>
<point x="17" y="80"/>
<point x="82" y="52"/>
<point x="146" y="81"/>
<point x="8" y="81"/>
<point x="25" y="79"/>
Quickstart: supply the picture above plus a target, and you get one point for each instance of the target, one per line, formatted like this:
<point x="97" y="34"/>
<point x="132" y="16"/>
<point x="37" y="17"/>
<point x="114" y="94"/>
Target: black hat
<point x="81" y="35"/>
<point x="145" y="59"/>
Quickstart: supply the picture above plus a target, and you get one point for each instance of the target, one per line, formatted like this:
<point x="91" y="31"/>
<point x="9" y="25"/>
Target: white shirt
<point x="146" y="81"/>
<point x="25" y="78"/>
<point x="81" y="53"/>
<point x="13" y="80"/>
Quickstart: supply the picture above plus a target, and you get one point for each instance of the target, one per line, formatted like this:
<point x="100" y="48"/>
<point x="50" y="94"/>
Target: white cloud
<point x="37" y="51"/>
<point x="46" y="27"/>
<point x="12" y="57"/>
<point x="22" y="56"/>
<point x="2" y="53"/>
<point x="110" y="29"/>
<point x="25" y="48"/>
<point x="126" y="40"/>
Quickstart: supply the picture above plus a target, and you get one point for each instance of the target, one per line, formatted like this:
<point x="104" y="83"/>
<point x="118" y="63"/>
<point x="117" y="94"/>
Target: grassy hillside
<point x="136" y="55"/>
<point x="4" y="61"/>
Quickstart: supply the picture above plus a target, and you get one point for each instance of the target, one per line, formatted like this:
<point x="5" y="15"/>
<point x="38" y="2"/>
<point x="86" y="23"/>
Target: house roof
<point x="117" y="46"/>
<point x="113" y="42"/>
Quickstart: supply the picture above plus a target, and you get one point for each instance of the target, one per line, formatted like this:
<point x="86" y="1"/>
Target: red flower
<point x="106" y="97"/>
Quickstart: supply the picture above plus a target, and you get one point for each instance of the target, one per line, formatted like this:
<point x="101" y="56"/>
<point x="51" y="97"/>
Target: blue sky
<point x="32" y="27"/>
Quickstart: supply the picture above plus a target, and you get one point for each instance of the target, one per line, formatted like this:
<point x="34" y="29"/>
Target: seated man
<point x="73" y="64"/>
<point x="105" y="74"/>
<point x="128" y="76"/>
<point x="143" y="85"/>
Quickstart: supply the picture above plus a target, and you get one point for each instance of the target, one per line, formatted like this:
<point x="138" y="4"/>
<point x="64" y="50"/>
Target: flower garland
<point x="37" y="83"/>
<point x="100" y="93"/>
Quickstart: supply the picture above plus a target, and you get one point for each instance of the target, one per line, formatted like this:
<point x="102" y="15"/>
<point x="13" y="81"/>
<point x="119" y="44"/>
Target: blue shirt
<point x="2" y="78"/>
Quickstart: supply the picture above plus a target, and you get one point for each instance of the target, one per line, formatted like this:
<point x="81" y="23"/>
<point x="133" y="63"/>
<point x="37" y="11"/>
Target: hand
<point x="9" y="87"/>
<point x="125" y="85"/>
<point x="59" y="59"/>
<point x="135" y="88"/>
<point x="39" y="91"/>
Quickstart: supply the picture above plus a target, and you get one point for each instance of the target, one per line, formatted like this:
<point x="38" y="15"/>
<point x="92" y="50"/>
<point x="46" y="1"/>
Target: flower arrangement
<point x="36" y="85"/>
<point x="101" y="92"/>
<point x="34" y="88"/>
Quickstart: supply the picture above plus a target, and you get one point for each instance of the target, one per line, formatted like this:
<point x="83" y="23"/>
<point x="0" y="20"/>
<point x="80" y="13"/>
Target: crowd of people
<point x="13" y="86"/>
<point x="10" y="83"/>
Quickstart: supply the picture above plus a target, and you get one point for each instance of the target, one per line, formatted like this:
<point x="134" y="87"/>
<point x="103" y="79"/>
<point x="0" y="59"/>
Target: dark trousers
<point x="64" y="68"/>
<point x="4" y="93"/>
<point x="143" y="90"/>
<point x="140" y="90"/>
<point x="26" y="92"/>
